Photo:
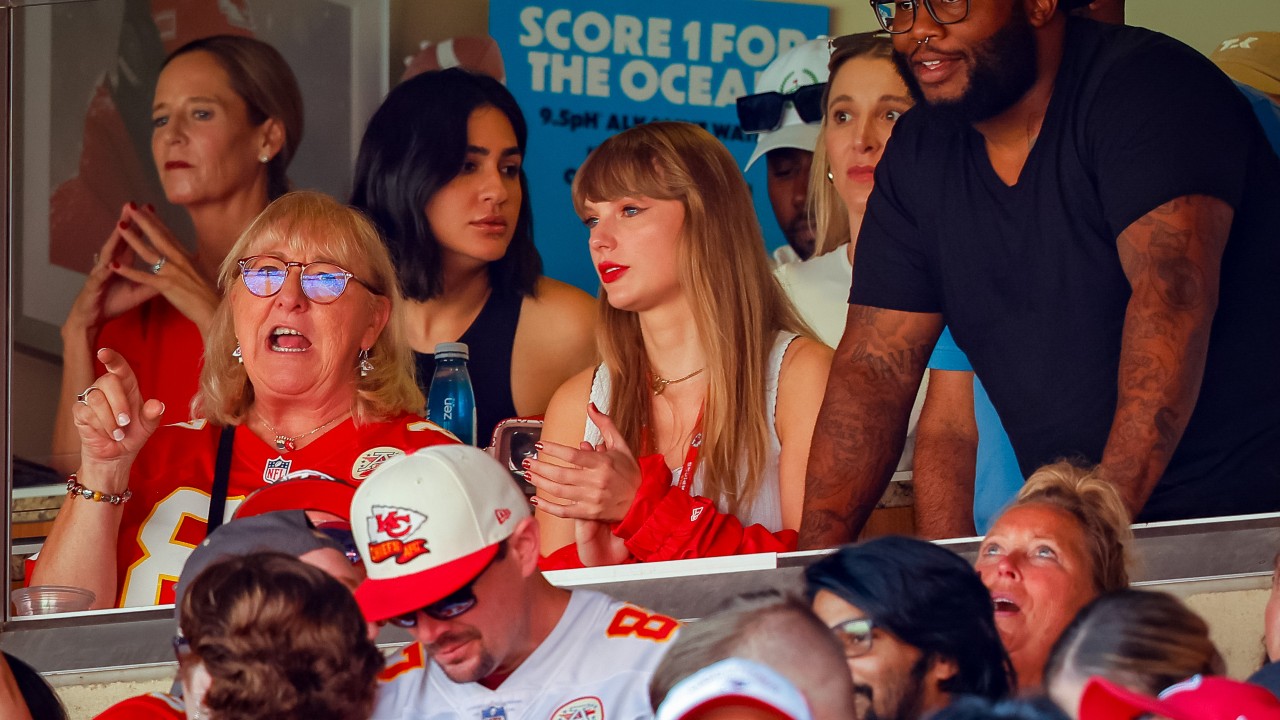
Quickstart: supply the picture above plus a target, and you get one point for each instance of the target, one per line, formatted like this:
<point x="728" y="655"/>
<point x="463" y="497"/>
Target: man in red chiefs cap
<point x="451" y="552"/>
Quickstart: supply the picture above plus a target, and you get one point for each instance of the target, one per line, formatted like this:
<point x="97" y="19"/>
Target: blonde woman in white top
<point x="710" y="378"/>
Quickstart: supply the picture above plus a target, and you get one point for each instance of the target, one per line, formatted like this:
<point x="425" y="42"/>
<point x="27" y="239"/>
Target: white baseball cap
<point x="428" y="523"/>
<point x="804" y="64"/>
<point x="734" y="681"/>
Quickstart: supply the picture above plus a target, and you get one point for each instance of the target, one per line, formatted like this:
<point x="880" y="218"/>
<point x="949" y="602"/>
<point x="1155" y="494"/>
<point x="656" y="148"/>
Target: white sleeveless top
<point x="767" y="508"/>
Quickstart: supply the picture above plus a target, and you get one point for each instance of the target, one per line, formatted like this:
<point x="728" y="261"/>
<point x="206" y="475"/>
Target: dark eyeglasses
<point x="451" y="605"/>
<point x="762" y="112"/>
<point x="340" y="532"/>
<point x="322" y="282"/>
<point x="899" y="17"/>
<point x="854" y="636"/>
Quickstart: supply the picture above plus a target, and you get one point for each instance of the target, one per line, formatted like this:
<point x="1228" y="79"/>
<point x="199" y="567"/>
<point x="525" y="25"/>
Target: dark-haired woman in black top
<point x="440" y="173"/>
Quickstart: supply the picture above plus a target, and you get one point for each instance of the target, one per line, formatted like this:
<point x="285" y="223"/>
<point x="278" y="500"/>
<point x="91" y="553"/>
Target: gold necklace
<point x="284" y="443"/>
<point x="659" y="383"/>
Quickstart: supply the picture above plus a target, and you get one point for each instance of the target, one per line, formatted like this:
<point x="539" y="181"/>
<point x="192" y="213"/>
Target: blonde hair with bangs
<point x="738" y="306"/>
<point x="827" y="212"/>
<point x="305" y="222"/>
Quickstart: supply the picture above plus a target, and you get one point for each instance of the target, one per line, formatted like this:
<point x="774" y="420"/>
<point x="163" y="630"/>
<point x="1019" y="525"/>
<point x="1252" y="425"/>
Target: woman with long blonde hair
<point x="691" y="437"/>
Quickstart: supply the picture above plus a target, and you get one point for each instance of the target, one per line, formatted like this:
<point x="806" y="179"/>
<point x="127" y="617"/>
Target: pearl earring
<point x="264" y="158"/>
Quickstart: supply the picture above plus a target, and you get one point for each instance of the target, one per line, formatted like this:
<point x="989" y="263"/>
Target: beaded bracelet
<point x="75" y="489"/>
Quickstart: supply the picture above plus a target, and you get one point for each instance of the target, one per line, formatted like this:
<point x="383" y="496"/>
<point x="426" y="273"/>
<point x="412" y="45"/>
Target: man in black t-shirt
<point x="1094" y="211"/>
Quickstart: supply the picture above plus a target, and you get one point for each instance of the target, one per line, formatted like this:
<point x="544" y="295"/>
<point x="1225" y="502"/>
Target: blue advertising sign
<point x="583" y="70"/>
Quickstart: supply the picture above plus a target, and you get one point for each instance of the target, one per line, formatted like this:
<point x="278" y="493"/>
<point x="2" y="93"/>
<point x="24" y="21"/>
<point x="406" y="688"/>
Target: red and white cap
<point x="316" y="492"/>
<point x="734" y="682"/>
<point x="426" y="524"/>
<point x="1198" y="698"/>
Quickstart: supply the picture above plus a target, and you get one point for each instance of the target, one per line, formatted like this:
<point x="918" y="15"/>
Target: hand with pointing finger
<point x="113" y="421"/>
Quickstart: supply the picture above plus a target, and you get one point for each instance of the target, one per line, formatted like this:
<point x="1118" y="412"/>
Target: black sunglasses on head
<point x="762" y="112"/>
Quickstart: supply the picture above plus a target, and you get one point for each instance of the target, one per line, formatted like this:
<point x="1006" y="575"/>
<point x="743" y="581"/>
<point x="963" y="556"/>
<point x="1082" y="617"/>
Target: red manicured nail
<point x="533" y="500"/>
<point x="538" y="446"/>
<point x="133" y="205"/>
<point x="526" y="463"/>
<point x="151" y="208"/>
<point x="124" y="224"/>
<point x="115" y="265"/>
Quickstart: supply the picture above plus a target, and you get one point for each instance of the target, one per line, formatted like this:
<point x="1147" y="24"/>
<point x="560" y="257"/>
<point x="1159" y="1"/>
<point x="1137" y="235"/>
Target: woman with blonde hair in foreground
<point x="691" y="438"/>
<point x="306" y="372"/>
<point x="1063" y="542"/>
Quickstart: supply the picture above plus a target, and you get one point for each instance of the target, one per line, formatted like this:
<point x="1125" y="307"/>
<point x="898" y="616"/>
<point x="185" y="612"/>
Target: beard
<point x="907" y="698"/>
<point x="1004" y="68"/>
<point x="474" y="667"/>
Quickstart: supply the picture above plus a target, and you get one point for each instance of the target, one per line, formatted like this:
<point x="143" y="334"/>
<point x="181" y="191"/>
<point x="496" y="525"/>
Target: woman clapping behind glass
<point x="306" y="372"/>
<point x="227" y="120"/>
<point x="709" y="377"/>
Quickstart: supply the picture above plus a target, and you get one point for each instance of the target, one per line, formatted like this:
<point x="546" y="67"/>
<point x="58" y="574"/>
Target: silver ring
<point x="155" y="269"/>
<point x="83" y="398"/>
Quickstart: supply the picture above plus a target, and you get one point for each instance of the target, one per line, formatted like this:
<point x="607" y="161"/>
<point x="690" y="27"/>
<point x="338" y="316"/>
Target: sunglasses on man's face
<point x="762" y="112"/>
<point x="450" y="606"/>
<point x="322" y="282"/>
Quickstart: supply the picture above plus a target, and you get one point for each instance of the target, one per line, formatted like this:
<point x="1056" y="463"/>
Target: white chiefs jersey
<point x="595" y="665"/>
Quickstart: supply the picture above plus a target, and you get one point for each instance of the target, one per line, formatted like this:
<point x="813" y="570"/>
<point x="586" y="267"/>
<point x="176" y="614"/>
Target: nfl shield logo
<point x="494" y="713"/>
<point x="276" y="470"/>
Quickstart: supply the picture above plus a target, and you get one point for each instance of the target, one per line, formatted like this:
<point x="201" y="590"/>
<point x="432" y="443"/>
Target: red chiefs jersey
<point x="152" y="706"/>
<point x="173" y="477"/>
<point x="164" y="349"/>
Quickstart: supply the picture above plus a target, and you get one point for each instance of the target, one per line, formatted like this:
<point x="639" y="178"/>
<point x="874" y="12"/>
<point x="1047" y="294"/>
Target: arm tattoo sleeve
<point x="862" y="423"/>
<point x="1172" y="256"/>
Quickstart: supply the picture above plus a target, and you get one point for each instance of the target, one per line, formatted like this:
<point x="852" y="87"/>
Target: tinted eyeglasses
<point x="322" y="282"/>
<point x="762" y="112"/>
<point x="340" y="532"/>
<point x="899" y="17"/>
<point x="452" y="605"/>
<point x="854" y="636"/>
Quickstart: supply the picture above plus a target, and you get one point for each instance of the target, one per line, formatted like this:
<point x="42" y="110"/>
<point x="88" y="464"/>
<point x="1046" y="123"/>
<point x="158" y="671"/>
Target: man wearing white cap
<point x="451" y="552"/>
<point x="786" y="110"/>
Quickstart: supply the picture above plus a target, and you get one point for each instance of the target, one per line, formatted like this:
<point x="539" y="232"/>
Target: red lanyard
<point x="690" y="458"/>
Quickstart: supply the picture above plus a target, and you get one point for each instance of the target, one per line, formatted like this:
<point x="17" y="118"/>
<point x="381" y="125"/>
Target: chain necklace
<point x="660" y="383"/>
<point x="284" y="443"/>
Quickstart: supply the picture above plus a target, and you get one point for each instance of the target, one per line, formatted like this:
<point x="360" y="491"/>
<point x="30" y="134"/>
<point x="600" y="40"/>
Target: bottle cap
<point x="452" y="350"/>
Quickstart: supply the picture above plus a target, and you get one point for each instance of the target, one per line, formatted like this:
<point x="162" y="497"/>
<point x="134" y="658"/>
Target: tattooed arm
<point x="863" y="421"/>
<point x="1172" y="257"/>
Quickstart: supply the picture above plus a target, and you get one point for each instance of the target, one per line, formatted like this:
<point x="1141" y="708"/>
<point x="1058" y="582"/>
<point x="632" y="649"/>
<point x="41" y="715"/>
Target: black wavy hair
<point x="930" y="598"/>
<point x="414" y="145"/>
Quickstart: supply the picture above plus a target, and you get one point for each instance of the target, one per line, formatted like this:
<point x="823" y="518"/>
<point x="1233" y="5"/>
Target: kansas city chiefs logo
<point x="371" y="460"/>
<point x="388" y="528"/>
<point x="586" y="708"/>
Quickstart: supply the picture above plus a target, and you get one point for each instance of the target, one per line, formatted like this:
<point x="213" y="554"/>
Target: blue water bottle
<point x="451" y="402"/>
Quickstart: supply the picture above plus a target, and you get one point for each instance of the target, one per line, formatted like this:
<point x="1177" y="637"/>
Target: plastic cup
<point x="50" y="599"/>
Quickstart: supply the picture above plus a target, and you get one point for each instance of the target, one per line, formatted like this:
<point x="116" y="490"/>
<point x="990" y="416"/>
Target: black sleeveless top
<point x="489" y="340"/>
